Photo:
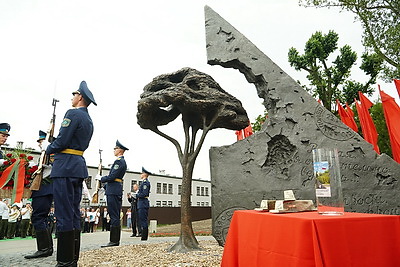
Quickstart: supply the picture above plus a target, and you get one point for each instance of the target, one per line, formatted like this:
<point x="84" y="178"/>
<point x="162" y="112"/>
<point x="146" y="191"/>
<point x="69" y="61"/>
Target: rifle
<point x="95" y="197"/>
<point x="44" y="161"/>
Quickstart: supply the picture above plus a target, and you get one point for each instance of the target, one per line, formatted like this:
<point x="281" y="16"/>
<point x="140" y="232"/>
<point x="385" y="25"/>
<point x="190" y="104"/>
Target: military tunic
<point x="143" y="203"/>
<point x="69" y="166"/>
<point x="114" y="190"/>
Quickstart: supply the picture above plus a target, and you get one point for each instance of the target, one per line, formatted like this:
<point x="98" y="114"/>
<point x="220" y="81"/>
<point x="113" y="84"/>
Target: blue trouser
<point x="143" y="214"/>
<point x="114" y="204"/>
<point x="67" y="197"/>
<point x="41" y="207"/>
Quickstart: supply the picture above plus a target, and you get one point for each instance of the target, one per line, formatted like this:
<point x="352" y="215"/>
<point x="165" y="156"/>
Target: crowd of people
<point x="15" y="220"/>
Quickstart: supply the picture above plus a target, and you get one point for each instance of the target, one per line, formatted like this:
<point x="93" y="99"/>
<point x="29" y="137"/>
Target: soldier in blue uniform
<point x="4" y="133"/>
<point x="143" y="203"/>
<point x="114" y="193"/>
<point x="69" y="170"/>
<point x="41" y="204"/>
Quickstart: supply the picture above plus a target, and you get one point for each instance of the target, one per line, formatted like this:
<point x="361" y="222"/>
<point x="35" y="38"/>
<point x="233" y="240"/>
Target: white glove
<point x="44" y="145"/>
<point x="2" y="161"/>
<point x="98" y="177"/>
<point x="32" y="163"/>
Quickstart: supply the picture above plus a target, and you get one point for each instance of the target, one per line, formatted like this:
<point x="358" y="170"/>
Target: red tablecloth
<point x="309" y="239"/>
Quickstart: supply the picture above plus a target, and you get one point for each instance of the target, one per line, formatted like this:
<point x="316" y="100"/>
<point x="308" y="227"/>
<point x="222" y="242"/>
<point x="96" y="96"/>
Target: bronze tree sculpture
<point x="204" y="105"/>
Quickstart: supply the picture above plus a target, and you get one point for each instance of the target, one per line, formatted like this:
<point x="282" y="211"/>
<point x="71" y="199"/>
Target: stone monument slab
<point x="279" y="157"/>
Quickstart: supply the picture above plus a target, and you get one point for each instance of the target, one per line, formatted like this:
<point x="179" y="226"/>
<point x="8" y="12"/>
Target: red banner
<point x="392" y="117"/>
<point x="397" y="83"/>
<point x="367" y="125"/>
<point x="346" y="117"/>
<point x="239" y="135"/>
<point x="248" y="131"/>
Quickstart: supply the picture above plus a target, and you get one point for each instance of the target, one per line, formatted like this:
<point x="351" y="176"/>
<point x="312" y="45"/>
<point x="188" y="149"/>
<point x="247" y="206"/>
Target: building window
<point x="164" y="203"/>
<point x="164" y="188"/>
<point x="202" y="191"/>
<point x="158" y="188"/>
<point x="179" y="190"/>
<point x="88" y="182"/>
<point x="140" y="182"/>
<point x="158" y="203"/>
<point x="198" y="190"/>
<point x="179" y="203"/>
<point x="206" y="191"/>
<point x="202" y="203"/>
<point x="207" y="204"/>
<point x="169" y="203"/>
<point x="170" y="191"/>
<point x="198" y="203"/>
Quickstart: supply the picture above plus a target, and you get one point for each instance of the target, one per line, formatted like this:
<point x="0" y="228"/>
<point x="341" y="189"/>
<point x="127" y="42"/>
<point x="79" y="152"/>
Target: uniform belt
<point x="72" y="151"/>
<point x="118" y="180"/>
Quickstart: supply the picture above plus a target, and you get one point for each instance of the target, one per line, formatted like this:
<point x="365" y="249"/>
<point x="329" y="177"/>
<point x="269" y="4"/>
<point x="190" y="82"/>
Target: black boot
<point x="145" y="234"/>
<point x="77" y="241"/>
<point x="44" y="245"/>
<point x="66" y="249"/>
<point x="115" y="236"/>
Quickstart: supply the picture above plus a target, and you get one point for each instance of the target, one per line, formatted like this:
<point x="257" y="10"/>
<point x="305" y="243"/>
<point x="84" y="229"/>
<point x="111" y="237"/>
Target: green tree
<point x="378" y="117"/>
<point x="256" y="126"/>
<point x="380" y="21"/>
<point x="331" y="82"/>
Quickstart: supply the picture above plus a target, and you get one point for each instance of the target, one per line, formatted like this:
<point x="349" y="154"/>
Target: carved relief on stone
<point x="221" y="224"/>
<point x="280" y="156"/>
<point x="330" y="125"/>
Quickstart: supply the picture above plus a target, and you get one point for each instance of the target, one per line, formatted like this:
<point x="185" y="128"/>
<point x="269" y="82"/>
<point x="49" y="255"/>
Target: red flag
<point x="239" y="135"/>
<point x="397" y="83"/>
<point x="346" y="118"/>
<point x="351" y="114"/>
<point x="248" y="131"/>
<point x="367" y="125"/>
<point x="392" y="117"/>
<point x="349" y="111"/>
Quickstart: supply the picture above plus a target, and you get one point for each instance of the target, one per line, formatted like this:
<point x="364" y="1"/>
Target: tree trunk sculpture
<point x="204" y="105"/>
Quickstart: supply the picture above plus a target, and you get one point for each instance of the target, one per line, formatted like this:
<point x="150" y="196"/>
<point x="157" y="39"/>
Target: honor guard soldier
<point x="114" y="193"/>
<point x="4" y="134"/>
<point x="69" y="170"/>
<point x="41" y="204"/>
<point x="143" y="203"/>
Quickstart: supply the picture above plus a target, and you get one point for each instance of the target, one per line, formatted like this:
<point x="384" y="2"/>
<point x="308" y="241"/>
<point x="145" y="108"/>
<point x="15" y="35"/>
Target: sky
<point x="49" y="46"/>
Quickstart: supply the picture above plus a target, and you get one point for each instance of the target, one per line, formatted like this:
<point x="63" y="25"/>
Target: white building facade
<point x="165" y="190"/>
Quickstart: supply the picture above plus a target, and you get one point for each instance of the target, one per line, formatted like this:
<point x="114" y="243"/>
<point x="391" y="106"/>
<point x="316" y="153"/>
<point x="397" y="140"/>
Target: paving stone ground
<point x="132" y="250"/>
